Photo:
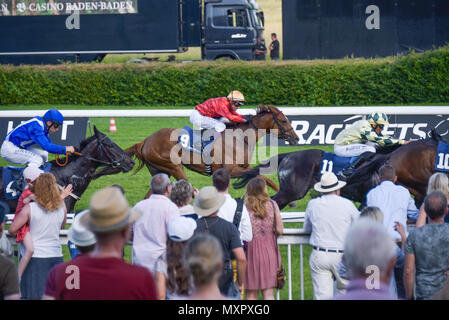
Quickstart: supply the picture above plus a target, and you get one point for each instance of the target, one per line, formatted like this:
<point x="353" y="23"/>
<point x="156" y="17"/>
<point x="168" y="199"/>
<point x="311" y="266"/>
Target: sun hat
<point x="32" y="172"/>
<point x="78" y="233"/>
<point x="328" y="183"/>
<point x="109" y="211"/>
<point x="208" y="201"/>
<point x="181" y="229"/>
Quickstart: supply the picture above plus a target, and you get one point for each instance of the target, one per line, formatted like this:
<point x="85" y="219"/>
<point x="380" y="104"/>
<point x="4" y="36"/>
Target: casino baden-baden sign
<point x="64" y="7"/>
<point x="323" y="129"/>
<point x="71" y="133"/>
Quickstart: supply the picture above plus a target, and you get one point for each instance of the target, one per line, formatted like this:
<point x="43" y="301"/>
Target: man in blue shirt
<point x="22" y="144"/>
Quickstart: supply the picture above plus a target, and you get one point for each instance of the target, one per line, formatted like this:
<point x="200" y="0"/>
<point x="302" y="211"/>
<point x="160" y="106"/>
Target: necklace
<point x="207" y="225"/>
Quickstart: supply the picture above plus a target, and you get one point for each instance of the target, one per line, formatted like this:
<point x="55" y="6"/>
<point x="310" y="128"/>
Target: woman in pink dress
<point x="263" y="257"/>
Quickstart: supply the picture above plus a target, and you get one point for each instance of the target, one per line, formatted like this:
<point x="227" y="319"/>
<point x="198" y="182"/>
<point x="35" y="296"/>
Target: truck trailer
<point x="36" y="32"/>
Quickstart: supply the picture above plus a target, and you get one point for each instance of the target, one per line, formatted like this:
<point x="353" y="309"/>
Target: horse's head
<point x="101" y="150"/>
<point x="271" y="118"/>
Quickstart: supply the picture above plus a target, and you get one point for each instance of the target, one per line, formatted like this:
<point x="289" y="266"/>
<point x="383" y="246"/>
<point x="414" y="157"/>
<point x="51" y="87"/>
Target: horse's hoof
<point x="293" y="204"/>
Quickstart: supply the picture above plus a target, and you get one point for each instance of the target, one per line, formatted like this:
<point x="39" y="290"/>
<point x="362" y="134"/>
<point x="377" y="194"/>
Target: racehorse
<point x="157" y="150"/>
<point x="96" y="151"/>
<point x="298" y="171"/>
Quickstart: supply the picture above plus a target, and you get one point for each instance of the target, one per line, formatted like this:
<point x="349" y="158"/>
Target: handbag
<point x="280" y="276"/>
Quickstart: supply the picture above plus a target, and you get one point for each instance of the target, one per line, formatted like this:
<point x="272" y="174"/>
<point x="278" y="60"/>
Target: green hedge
<point x="413" y="79"/>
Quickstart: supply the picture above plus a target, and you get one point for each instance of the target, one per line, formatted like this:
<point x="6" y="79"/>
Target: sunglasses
<point x="56" y="125"/>
<point x="238" y="104"/>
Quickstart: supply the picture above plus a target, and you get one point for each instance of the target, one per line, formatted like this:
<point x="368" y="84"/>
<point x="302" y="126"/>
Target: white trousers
<point x="354" y="150"/>
<point x="203" y="122"/>
<point x="324" y="269"/>
<point x="32" y="156"/>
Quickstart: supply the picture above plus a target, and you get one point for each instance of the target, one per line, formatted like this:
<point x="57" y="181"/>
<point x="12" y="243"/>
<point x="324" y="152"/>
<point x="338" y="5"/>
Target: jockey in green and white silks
<point x="361" y="138"/>
<point x="364" y="135"/>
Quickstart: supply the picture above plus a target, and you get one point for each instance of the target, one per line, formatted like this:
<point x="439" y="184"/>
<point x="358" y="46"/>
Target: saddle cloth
<point x="188" y="137"/>
<point x="333" y="163"/>
<point x="13" y="182"/>
<point x="442" y="157"/>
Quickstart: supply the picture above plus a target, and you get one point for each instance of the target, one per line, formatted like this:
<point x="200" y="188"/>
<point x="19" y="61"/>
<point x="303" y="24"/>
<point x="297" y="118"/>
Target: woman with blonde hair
<point x="437" y="181"/>
<point x="263" y="256"/>
<point x="203" y="256"/>
<point x="46" y="217"/>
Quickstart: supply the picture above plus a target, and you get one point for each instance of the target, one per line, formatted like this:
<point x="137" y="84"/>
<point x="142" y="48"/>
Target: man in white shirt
<point x="394" y="201"/>
<point x="150" y="230"/>
<point x="328" y="218"/>
<point x="222" y="181"/>
<point x="396" y="205"/>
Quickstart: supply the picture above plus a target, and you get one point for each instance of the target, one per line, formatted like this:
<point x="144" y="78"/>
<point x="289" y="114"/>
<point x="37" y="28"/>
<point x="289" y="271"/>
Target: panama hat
<point x="181" y="228"/>
<point x="78" y="233"/>
<point x="208" y="201"/>
<point x="109" y="211"/>
<point x="328" y="183"/>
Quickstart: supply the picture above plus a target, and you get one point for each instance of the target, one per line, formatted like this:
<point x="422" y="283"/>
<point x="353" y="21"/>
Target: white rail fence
<point x="292" y="239"/>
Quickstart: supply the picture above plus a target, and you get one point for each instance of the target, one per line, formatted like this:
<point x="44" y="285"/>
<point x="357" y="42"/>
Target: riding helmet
<point x="378" y="118"/>
<point x="54" y="116"/>
<point x="236" y="96"/>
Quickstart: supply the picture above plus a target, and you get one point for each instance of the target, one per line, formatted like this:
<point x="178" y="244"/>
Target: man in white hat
<point x="206" y="204"/>
<point x="328" y="219"/>
<point x="103" y="274"/>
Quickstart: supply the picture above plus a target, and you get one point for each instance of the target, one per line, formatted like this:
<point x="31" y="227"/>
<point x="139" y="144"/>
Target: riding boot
<point x="347" y="172"/>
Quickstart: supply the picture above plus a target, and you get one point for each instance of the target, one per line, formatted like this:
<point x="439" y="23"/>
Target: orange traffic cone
<point x="112" y="127"/>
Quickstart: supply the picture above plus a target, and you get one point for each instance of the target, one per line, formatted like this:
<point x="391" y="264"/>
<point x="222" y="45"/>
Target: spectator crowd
<point x="204" y="244"/>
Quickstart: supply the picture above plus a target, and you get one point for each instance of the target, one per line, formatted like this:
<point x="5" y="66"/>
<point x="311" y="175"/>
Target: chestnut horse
<point x="161" y="151"/>
<point x="298" y="171"/>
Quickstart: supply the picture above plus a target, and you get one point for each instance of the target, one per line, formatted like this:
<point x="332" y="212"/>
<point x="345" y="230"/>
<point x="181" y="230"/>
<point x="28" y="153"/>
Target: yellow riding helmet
<point x="236" y="96"/>
<point x="377" y="118"/>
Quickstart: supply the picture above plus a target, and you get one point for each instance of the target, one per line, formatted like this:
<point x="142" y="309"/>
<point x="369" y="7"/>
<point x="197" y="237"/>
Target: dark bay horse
<point x="97" y="151"/>
<point x="298" y="171"/>
<point x="158" y="150"/>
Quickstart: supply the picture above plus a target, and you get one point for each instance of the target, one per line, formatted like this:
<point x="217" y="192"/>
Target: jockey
<point x="20" y="147"/>
<point x="361" y="138"/>
<point x="215" y="112"/>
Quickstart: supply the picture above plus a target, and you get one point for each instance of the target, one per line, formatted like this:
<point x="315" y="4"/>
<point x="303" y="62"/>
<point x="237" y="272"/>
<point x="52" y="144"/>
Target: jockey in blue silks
<point x="29" y="143"/>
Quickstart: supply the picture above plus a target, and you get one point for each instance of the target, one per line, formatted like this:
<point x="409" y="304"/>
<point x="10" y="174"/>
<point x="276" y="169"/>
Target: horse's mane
<point x="83" y="144"/>
<point x="262" y="109"/>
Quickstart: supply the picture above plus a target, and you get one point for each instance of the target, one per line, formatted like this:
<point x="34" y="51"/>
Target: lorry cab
<point x="230" y="29"/>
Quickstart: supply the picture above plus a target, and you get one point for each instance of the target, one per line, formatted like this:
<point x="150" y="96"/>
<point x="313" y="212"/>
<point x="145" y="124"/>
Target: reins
<point x="66" y="158"/>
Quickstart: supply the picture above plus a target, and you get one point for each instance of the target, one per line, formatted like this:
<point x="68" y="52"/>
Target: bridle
<point x="275" y="114"/>
<point x="111" y="163"/>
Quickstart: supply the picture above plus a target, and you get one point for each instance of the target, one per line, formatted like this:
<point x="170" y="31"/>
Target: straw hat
<point x="328" y="183"/>
<point x="208" y="201"/>
<point x="78" y="234"/>
<point x="109" y="211"/>
<point x="181" y="228"/>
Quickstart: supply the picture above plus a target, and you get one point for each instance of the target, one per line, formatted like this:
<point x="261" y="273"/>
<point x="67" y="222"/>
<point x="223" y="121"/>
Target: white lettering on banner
<point x="326" y="133"/>
<point x="64" y="128"/>
<point x="330" y="131"/>
<point x="4" y="8"/>
<point x="305" y="127"/>
<point x="373" y="21"/>
<point x="317" y="134"/>
<point x="420" y="133"/>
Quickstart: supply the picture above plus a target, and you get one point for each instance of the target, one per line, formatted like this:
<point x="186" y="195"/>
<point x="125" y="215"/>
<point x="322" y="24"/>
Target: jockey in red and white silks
<point x="215" y="112"/>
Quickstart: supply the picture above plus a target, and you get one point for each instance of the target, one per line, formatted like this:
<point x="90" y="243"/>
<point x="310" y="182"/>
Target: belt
<point x="327" y="250"/>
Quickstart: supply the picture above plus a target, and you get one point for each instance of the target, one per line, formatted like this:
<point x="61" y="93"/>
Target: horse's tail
<point x="248" y="175"/>
<point x="135" y="151"/>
